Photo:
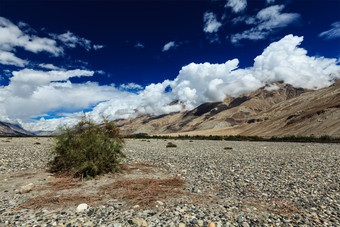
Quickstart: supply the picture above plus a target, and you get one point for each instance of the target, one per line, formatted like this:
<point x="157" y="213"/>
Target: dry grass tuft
<point x="277" y="206"/>
<point x="145" y="167"/>
<point x="144" y="191"/>
<point x="52" y="199"/>
<point x="64" y="183"/>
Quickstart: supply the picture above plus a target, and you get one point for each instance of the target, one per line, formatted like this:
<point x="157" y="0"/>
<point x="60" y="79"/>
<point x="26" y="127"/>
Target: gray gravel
<point x="252" y="184"/>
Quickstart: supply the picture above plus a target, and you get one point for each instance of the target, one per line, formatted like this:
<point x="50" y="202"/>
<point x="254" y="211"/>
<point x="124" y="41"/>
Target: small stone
<point x="160" y="203"/>
<point x="181" y="225"/>
<point x="82" y="207"/>
<point x="136" y="206"/>
<point x="200" y="223"/>
<point x="137" y="222"/>
<point x="90" y="213"/>
<point x="219" y="224"/>
<point x="26" y="188"/>
<point x="245" y="224"/>
<point x="211" y="224"/>
<point x="117" y="225"/>
<point x="144" y="224"/>
<point x="286" y="220"/>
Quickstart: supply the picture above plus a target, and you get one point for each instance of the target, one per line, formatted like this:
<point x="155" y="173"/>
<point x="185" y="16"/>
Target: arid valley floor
<point x="195" y="184"/>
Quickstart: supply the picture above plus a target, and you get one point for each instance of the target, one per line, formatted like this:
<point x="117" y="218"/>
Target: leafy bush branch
<point x="87" y="149"/>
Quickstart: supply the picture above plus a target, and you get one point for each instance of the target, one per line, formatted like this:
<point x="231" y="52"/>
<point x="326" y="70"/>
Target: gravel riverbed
<point x="249" y="184"/>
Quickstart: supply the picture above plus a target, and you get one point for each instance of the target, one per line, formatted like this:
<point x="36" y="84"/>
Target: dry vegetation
<point x="144" y="191"/>
<point x="52" y="199"/>
<point x="134" y="187"/>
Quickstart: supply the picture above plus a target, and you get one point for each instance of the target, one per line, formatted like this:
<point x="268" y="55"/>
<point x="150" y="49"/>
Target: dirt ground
<point x="140" y="184"/>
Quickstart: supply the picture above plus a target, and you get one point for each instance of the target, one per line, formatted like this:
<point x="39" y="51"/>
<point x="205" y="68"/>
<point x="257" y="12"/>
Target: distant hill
<point x="264" y="112"/>
<point x="8" y="129"/>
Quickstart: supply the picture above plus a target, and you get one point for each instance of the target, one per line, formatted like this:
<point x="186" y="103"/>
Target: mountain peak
<point x="244" y="114"/>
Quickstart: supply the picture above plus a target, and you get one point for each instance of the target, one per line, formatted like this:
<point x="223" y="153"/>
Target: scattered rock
<point x="245" y="188"/>
<point x="160" y="203"/>
<point x="211" y="224"/>
<point x="82" y="207"/>
<point x="26" y="188"/>
<point x="136" y="207"/>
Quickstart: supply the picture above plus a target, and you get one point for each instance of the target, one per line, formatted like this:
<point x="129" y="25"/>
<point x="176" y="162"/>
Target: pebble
<point x="82" y="207"/>
<point x="26" y="188"/>
<point x="253" y="184"/>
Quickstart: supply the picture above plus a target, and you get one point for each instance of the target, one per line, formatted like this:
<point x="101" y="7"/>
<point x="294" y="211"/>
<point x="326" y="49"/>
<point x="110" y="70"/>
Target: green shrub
<point x="170" y="144"/>
<point x="87" y="149"/>
<point x="325" y="138"/>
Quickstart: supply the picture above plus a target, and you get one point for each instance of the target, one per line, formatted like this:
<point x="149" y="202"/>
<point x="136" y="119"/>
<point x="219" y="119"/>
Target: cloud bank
<point x="35" y="94"/>
<point x="168" y="46"/>
<point x="13" y="37"/>
<point x="265" y="22"/>
<point x="211" y="24"/>
<point x="333" y="33"/>
<point x="236" y="6"/>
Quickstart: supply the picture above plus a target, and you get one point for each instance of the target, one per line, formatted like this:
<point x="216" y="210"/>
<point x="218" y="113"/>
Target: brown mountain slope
<point x="314" y="112"/>
<point x="8" y="129"/>
<point x="232" y="116"/>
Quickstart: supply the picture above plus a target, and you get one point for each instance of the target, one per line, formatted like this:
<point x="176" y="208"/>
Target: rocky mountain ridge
<point x="8" y="129"/>
<point x="284" y="110"/>
<point x="275" y="110"/>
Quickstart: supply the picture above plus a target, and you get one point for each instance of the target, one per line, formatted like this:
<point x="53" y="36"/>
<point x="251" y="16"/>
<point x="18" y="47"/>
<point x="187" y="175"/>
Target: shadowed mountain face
<point x="265" y="112"/>
<point x="8" y="129"/>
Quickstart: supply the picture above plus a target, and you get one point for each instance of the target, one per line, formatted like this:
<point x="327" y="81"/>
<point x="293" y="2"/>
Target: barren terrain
<point x="286" y="111"/>
<point x="193" y="184"/>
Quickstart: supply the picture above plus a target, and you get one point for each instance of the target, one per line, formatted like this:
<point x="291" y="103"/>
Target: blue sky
<point x="124" y="58"/>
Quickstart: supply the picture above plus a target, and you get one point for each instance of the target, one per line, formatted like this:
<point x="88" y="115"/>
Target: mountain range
<point x="274" y="110"/>
<point x="8" y="129"/>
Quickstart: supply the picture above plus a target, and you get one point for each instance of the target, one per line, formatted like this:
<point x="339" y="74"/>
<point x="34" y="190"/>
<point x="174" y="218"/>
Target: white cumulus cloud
<point x="131" y="86"/>
<point x="169" y="46"/>
<point x="139" y="46"/>
<point x="98" y="47"/>
<point x="266" y="21"/>
<point x="236" y="6"/>
<point x="12" y="37"/>
<point x="8" y="58"/>
<point x="32" y="93"/>
<point x="211" y="24"/>
<point x="71" y="40"/>
<point x="49" y="66"/>
<point x="333" y="33"/>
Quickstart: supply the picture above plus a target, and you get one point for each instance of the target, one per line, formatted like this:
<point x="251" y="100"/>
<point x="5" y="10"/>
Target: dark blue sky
<point x="120" y="25"/>
<point x="125" y="58"/>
